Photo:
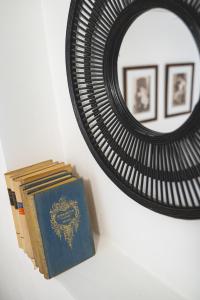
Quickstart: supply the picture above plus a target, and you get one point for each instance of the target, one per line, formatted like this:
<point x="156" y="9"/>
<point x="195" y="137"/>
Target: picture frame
<point x="179" y="89"/>
<point x="141" y="91"/>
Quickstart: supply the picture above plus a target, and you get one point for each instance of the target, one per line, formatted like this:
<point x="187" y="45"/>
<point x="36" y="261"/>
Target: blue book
<point x="37" y="182"/>
<point x="59" y="227"/>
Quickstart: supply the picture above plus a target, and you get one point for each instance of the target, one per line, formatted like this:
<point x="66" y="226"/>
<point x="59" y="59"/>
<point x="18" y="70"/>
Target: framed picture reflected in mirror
<point x="140" y="91"/>
<point x="179" y="89"/>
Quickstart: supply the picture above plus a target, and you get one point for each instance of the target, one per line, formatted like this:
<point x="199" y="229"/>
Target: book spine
<point x="35" y="235"/>
<point x="18" y="210"/>
<point x="24" y="234"/>
<point x="14" y="210"/>
<point x="28" y="244"/>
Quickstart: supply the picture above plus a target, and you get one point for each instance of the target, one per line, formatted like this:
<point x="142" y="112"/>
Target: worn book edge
<point x="17" y="181"/>
<point x="43" y="163"/>
<point x="9" y="176"/>
<point x="38" y="240"/>
<point x="31" y="223"/>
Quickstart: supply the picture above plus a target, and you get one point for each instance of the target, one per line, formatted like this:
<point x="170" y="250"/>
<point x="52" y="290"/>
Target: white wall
<point x="34" y="127"/>
<point x="28" y="133"/>
<point x="18" y="279"/>
<point x="165" y="246"/>
<point x="28" y="118"/>
<point x="159" y="37"/>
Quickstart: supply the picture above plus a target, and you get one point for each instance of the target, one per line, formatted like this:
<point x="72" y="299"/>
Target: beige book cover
<point x="17" y="182"/>
<point x="18" y="208"/>
<point x="8" y="177"/>
<point x="24" y="236"/>
<point x="27" y="168"/>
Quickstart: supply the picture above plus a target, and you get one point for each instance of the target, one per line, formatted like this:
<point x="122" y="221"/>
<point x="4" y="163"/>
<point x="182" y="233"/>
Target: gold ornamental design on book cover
<point x="65" y="219"/>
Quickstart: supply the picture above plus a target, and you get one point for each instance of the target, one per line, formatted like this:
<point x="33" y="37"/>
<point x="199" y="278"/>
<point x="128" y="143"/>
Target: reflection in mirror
<point x="158" y="70"/>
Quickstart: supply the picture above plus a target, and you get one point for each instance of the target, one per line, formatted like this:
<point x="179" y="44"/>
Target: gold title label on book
<point x="65" y="219"/>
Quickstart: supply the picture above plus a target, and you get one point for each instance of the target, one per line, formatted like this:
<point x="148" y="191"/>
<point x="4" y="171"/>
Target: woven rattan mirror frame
<point x="159" y="171"/>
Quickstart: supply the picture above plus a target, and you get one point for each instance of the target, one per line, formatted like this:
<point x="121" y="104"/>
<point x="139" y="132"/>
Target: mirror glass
<point x="158" y="70"/>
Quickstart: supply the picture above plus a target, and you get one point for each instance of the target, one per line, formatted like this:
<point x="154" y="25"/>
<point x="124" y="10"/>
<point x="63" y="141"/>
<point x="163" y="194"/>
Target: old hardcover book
<point x="36" y="186"/>
<point x="30" y="222"/>
<point x="36" y="183"/>
<point x="8" y="176"/>
<point x="59" y="226"/>
<point x="19" y="211"/>
<point x="16" y="187"/>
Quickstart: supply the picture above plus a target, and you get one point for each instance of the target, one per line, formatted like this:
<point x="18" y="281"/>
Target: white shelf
<point x="110" y="275"/>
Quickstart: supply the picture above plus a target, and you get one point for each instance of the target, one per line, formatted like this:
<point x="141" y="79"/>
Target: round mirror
<point x="158" y="70"/>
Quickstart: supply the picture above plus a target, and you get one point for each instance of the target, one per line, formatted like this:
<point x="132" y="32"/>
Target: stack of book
<point x="50" y="214"/>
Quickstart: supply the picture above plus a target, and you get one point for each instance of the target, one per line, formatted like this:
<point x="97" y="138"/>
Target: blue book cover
<point x="64" y="225"/>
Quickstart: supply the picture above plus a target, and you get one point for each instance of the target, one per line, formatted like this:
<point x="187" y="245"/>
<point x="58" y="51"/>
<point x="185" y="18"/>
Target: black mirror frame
<point x="159" y="171"/>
